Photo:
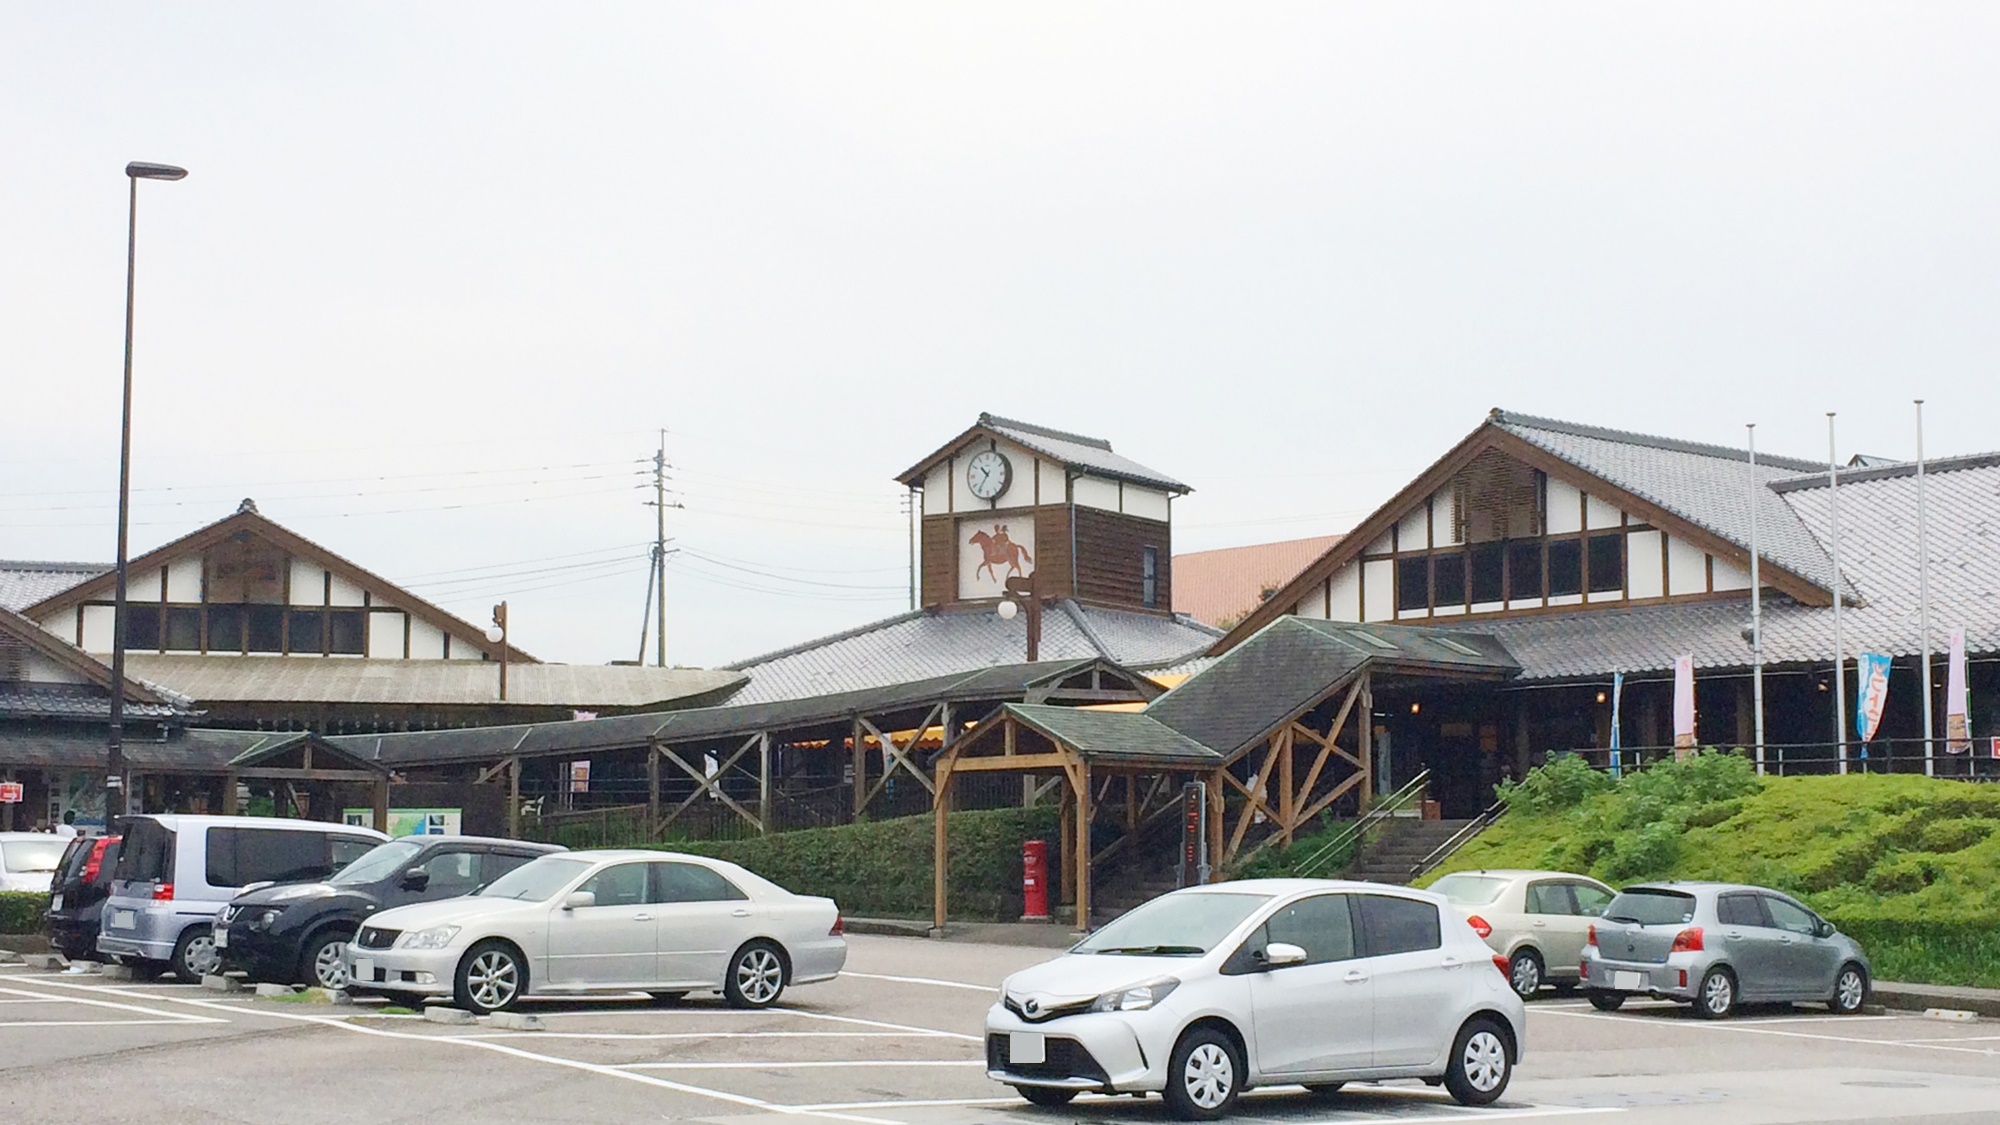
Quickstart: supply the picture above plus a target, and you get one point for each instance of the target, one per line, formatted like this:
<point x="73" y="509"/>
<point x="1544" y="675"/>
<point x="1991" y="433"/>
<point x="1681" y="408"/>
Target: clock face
<point x="987" y="474"/>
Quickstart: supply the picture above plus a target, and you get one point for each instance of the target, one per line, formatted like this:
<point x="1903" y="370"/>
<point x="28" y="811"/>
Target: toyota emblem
<point x="1032" y="1007"/>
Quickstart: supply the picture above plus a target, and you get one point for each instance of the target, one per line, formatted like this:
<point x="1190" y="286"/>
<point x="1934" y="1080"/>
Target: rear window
<point x="75" y="857"/>
<point x="147" y="854"/>
<point x="240" y="856"/>
<point x="687" y="882"/>
<point x="1651" y="907"/>
<point x="1470" y="890"/>
<point x="33" y="855"/>
<point x="1397" y="925"/>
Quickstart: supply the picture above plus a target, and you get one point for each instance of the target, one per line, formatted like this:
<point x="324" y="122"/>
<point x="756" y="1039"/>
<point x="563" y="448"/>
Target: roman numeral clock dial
<point x="988" y="474"/>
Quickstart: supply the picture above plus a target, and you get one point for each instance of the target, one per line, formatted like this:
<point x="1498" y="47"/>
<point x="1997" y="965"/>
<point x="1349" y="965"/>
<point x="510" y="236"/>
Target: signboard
<point x="409" y="822"/>
<point x="1194" y="869"/>
<point x="1995" y="750"/>
<point x="10" y="792"/>
<point x="579" y="776"/>
<point x="992" y="550"/>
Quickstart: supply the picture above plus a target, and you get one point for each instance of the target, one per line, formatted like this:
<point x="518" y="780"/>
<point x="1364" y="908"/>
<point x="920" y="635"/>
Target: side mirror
<point x="1825" y="929"/>
<point x="416" y="879"/>
<point x="576" y="899"/>
<point x="1278" y="954"/>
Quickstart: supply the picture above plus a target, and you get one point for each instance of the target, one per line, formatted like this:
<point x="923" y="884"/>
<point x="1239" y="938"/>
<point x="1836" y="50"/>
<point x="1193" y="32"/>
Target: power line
<point x="785" y="578"/>
<point x="234" y="487"/>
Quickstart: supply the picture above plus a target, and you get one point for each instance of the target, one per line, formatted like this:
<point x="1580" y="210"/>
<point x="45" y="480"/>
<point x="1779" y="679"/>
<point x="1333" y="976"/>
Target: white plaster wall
<point x="1566" y="599"/>
<point x="1602" y="516"/>
<point x="1096" y="492"/>
<point x="1606" y="595"/>
<point x="62" y="625"/>
<point x="1020" y="490"/>
<point x="1413" y="532"/>
<point x="308" y="583"/>
<point x="1313" y="604"/>
<point x="465" y="650"/>
<point x="1381" y="546"/>
<point x="1645" y="575"/>
<point x="40" y="669"/>
<point x="184" y="579"/>
<point x="935" y="488"/>
<point x="1491" y="607"/>
<point x="1687" y="569"/>
<point x="1443" y="611"/>
<point x="96" y="628"/>
<point x="1565" y="512"/>
<point x="1345" y="604"/>
<point x="143" y="585"/>
<point x="1443" y="527"/>
<point x="344" y="592"/>
<point x="1729" y="576"/>
<point x="426" y="640"/>
<point x="1381" y="589"/>
<point x="385" y="635"/>
<point x="1146" y="503"/>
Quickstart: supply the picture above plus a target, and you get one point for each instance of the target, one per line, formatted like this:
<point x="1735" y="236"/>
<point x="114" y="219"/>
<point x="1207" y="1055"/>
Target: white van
<point x="175" y="872"/>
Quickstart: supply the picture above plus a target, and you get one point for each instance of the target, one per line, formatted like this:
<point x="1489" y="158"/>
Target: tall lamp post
<point x="114" y="772"/>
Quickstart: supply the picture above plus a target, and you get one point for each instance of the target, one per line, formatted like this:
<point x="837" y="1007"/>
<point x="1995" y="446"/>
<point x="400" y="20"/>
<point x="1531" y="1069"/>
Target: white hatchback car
<point x="1209" y="991"/>
<point x="585" y="922"/>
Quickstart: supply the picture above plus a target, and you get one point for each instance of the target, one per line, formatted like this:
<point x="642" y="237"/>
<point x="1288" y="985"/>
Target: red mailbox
<point x="1035" y="881"/>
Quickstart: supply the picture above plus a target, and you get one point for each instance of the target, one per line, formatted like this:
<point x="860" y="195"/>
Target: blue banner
<point x="1871" y="672"/>
<point x="1617" y="696"/>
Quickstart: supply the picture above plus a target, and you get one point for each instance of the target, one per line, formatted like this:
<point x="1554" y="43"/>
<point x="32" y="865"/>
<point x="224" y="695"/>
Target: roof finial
<point x="248" y="505"/>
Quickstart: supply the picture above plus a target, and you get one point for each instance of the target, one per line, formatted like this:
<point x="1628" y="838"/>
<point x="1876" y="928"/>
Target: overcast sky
<point x="441" y="272"/>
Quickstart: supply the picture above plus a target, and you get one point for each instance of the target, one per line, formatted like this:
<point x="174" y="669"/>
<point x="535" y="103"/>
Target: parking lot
<point x="896" y="1041"/>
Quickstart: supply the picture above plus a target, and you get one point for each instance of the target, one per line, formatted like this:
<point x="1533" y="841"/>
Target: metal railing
<point x="1794" y="759"/>
<point x="1350" y="838"/>
<point x="1458" y="839"/>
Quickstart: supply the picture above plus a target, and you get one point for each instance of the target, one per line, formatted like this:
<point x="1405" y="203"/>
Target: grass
<point x="1909" y="866"/>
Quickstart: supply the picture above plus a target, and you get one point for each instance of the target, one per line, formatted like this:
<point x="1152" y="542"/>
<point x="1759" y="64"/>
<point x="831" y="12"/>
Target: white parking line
<point x="1453" y="1113"/>
<point x="619" y="1035"/>
<point x="989" y="989"/>
<point x="159" y="1015"/>
<point x="816" y="1063"/>
<point x="1742" y="1029"/>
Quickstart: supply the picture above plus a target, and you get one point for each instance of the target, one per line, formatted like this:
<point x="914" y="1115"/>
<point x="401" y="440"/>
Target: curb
<point x="887" y="927"/>
<point x="1984" y="1002"/>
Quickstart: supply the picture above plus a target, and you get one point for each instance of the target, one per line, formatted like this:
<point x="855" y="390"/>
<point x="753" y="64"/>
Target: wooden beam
<point x="859" y="747"/>
<point x="228" y="794"/>
<point x="1287" y="774"/>
<point x="1350" y="782"/>
<point x="1256" y="799"/>
<point x="652" y="790"/>
<point x="897" y="755"/>
<point x="382" y="805"/>
<point x="514" y="798"/>
<point x="490" y="772"/>
<point x="1066" y="843"/>
<point x="1057" y="760"/>
<point x="1365" y="743"/>
<point x="274" y="773"/>
<point x="1216" y="808"/>
<point x="706" y="784"/>
<point x="940" y="844"/>
<point x="1083" y="819"/>
<point x="763" y="782"/>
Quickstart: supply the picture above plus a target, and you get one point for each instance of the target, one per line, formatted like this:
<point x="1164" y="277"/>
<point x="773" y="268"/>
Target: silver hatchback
<point x="1714" y="945"/>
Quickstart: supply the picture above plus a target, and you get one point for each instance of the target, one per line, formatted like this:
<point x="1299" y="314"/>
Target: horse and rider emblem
<point x="999" y="550"/>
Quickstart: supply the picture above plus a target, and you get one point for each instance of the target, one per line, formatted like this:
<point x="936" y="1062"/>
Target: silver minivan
<point x="175" y="872"/>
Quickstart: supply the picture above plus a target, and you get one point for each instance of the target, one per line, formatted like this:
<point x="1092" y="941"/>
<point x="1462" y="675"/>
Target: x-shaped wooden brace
<point x="899" y="755"/>
<point x="706" y="784"/>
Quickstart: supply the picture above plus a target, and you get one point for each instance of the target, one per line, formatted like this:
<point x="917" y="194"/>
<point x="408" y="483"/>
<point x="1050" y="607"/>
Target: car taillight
<point x="163" y="892"/>
<point x="1687" y="941"/>
<point x="839" y="927"/>
<point x="1502" y="964"/>
<point x="1480" y="927"/>
<point x="1590" y="935"/>
<point x="95" y="863"/>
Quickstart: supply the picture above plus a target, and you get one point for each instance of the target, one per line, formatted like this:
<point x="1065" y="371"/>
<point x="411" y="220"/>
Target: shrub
<point x="1955" y="835"/>
<point x="21" y="912"/>
<point x="1561" y="785"/>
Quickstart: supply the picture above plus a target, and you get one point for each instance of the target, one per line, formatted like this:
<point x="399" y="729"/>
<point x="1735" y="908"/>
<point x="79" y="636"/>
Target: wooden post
<point x="1364" y="736"/>
<point x="859" y="751"/>
<point x="1287" y="811"/>
<point x="1131" y="802"/>
<point x="1083" y="846"/>
<point x="229" y="793"/>
<point x="1067" y="837"/>
<point x="1216" y="806"/>
<point x="382" y="804"/>
<point x="763" y="782"/>
<point x="514" y="798"/>
<point x="940" y="850"/>
<point x="1746" y="731"/>
<point x="652" y="790"/>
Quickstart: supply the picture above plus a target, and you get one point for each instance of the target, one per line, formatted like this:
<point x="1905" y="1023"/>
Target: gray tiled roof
<point x="1116" y="735"/>
<point x="1089" y="453"/>
<point x="929" y="643"/>
<point x="215" y="678"/>
<point x="25" y="582"/>
<point x="74" y="701"/>
<point x="1703" y="484"/>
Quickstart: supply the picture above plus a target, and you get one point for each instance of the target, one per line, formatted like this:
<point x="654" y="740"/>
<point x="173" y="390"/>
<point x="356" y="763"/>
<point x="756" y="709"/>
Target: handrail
<point x="1459" y="839"/>
<point x="1389" y="806"/>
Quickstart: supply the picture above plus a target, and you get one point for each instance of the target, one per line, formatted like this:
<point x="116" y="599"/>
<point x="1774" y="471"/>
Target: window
<point x="239" y="856"/>
<point x="688" y="882"/>
<point x="344" y="631"/>
<point x="1149" y="582"/>
<point x="1448" y="579"/>
<point x="1413" y="583"/>
<point x="343" y="850"/>
<point x="225" y="628"/>
<point x="1550" y="898"/>
<point x="147" y="852"/>
<point x="266" y="628"/>
<point x="1524" y="569"/>
<point x="1397" y="925"/>
<point x="1739" y="910"/>
<point x="1321" y="925"/>
<point x="183" y="629"/>
<point x="142" y="628"/>
<point x="1590" y="901"/>
<point x="1790" y="917"/>
<point x="1651" y="908"/>
<point x="621" y="884"/>
<point x="1565" y="567"/>
<point x="1487" y="561"/>
<point x="452" y="873"/>
<point x="302" y="631"/>
<point x="1469" y="890"/>
<point x="495" y="864"/>
<point x="1607" y="563"/>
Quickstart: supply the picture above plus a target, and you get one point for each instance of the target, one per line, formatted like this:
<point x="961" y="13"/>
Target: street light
<point x="114" y="772"/>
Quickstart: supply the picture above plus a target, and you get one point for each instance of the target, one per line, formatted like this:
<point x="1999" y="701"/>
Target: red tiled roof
<point x="1217" y="586"/>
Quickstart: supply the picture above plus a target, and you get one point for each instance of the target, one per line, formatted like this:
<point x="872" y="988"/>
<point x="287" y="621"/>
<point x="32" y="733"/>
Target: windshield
<point x="34" y="855"/>
<point x="1470" y="890"/>
<point x="536" y="881"/>
<point x="1178" y="925"/>
<point x="1651" y="908"/>
<point x="377" y="863"/>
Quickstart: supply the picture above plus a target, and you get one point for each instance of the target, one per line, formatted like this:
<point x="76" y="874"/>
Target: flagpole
<point x="1924" y="599"/>
<point x="1756" y="608"/>
<point x="1839" y="650"/>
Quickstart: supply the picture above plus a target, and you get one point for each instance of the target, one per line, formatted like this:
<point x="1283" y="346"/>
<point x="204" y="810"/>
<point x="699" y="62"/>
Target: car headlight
<point x="437" y="937"/>
<point x="1136" y="998"/>
<point x="264" y="919"/>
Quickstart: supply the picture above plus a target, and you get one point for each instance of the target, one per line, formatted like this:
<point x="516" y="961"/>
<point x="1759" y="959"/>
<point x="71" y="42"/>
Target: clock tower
<point x="1008" y="499"/>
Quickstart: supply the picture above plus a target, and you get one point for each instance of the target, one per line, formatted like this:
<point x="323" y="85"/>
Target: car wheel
<point x="1850" y="989"/>
<point x="1324" y="1089"/>
<point x="195" y="955"/>
<point x="1716" y="998"/>
<point x="1525" y="973"/>
<point x="321" y="965"/>
<point x="667" y="997"/>
<point x="1480" y="1064"/>
<point x="1204" y="1075"/>
<point x="1604" y="1001"/>
<point x="1046" y="1095"/>
<point x="756" y="976"/>
<point x="491" y="977"/>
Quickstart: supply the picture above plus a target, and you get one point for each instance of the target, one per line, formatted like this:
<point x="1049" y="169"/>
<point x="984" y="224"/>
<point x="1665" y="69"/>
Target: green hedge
<point x="883" y="868"/>
<point x="21" y="912"/>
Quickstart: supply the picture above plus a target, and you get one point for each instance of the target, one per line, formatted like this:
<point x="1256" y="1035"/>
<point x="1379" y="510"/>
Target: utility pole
<point x="660" y="540"/>
<point x="910" y="508"/>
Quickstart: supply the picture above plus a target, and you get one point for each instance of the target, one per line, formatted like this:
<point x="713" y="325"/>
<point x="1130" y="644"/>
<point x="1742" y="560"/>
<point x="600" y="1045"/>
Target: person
<point x="68" y="825"/>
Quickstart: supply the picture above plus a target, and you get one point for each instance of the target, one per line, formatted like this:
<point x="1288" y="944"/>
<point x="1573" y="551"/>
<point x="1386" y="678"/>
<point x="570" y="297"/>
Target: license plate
<point x="1027" y="1048"/>
<point x="222" y="939"/>
<point x="364" y="970"/>
<point x="124" y="919"/>
<point x="55" y="903"/>
<point x="1629" y="982"/>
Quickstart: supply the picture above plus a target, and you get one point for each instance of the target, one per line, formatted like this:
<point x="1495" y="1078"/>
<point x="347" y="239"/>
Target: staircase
<point x="1396" y="850"/>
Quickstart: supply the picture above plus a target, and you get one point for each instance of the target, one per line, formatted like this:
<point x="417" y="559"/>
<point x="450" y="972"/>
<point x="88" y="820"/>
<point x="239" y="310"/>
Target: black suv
<point x="293" y="934"/>
<point x="76" y="898"/>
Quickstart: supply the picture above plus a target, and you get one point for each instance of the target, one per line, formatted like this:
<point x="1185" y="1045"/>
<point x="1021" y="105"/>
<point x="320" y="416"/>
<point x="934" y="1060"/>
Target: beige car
<point x="1538" y="920"/>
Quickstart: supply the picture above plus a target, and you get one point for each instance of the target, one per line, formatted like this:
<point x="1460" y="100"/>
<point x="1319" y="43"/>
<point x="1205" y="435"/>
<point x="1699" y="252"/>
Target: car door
<point x="1806" y="961"/>
<point x="1314" y="1018"/>
<point x="614" y="941"/>
<point x="1417" y="982"/>
<point x="450" y="872"/>
<point x="1553" y="922"/>
<point x="1750" y="942"/>
<point x="704" y="918"/>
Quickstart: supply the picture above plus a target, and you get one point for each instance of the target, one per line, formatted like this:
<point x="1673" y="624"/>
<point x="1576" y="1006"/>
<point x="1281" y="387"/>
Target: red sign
<point x="1995" y="752"/>
<point x="10" y="792"/>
